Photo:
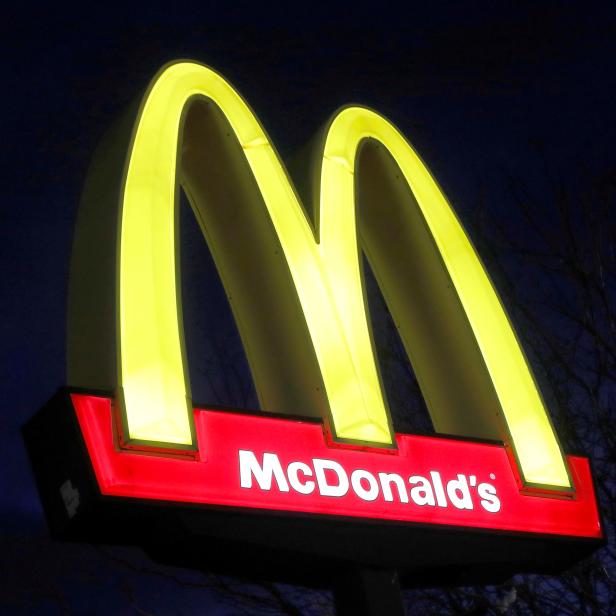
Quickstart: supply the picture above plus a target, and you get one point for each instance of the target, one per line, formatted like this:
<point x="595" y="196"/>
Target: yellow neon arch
<point x="530" y="431"/>
<point x="152" y="372"/>
<point x="326" y="275"/>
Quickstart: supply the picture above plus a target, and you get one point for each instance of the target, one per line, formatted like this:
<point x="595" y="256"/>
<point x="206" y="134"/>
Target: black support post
<point x="365" y="591"/>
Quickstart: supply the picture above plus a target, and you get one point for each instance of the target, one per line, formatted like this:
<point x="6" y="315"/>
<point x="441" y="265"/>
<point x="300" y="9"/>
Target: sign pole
<point x="365" y="591"/>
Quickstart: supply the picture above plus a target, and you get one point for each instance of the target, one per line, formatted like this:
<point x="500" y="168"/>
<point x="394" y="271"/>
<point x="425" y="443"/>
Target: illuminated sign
<point x="286" y="465"/>
<point x="295" y="285"/>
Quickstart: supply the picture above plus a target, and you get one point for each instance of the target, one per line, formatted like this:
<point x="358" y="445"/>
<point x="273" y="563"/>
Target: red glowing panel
<point x="287" y="465"/>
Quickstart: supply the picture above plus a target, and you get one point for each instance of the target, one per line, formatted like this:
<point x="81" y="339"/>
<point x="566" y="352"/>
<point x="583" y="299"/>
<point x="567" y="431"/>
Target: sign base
<point x="218" y="511"/>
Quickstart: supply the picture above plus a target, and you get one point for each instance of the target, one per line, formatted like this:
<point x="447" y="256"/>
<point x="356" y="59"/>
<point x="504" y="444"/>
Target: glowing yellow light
<point x="326" y="273"/>
<point x="152" y="364"/>
<point x="532" y="435"/>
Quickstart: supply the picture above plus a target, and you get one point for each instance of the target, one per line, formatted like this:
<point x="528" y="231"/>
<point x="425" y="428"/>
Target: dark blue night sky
<point x="484" y="94"/>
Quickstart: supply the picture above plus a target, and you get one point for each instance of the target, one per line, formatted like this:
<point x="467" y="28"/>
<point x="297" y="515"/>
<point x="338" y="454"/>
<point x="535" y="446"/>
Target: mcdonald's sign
<point x="324" y="451"/>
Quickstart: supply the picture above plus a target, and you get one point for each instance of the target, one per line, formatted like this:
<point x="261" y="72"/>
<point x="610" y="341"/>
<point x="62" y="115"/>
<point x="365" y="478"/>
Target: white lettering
<point x="489" y="501"/>
<point x="325" y="488"/>
<point x="329" y="478"/>
<point x="249" y="467"/>
<point x="356" y="479"/>
<point x="386" y="480"/>
<point x="459" y="493"/>
<point x="292" y="472"/>
<point x="441" y="501"/>
<point x="422" y="494"/>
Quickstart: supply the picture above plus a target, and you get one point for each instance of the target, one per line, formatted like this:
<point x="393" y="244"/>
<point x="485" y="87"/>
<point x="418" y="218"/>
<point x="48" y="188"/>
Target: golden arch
<point x="296" y="289"/>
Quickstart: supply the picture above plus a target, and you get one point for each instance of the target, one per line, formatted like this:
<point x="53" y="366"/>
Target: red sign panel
<point x="260" y="462"/>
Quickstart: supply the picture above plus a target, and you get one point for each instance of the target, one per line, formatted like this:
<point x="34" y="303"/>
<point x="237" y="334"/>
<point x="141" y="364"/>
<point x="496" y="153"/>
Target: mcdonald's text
<point x="280" y="464"/>
<point x="331" y="479"/>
